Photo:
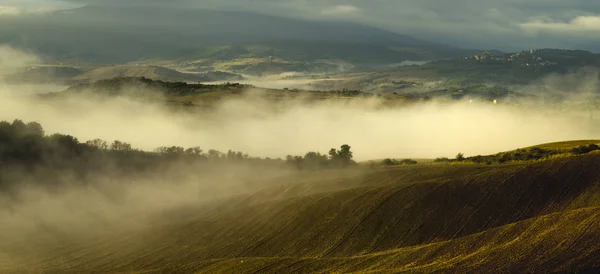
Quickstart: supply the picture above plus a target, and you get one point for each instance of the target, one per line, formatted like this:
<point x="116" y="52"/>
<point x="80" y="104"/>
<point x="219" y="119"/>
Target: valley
<point x="299" y="136"/>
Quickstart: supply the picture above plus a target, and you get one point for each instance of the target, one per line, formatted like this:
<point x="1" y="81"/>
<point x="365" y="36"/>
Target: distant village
<point x="523" y="58"/>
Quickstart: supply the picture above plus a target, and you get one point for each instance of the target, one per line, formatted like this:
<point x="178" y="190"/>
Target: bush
<point x="441" y="160"/>
<point x="408" y="162"/>
<point x="388" y="162"/>
<point x="585" y="149"/>
<point x="405" y="162"/>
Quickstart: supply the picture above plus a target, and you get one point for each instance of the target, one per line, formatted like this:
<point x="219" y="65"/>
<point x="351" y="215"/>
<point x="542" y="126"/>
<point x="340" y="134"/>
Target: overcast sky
<point x="501" y="24"/>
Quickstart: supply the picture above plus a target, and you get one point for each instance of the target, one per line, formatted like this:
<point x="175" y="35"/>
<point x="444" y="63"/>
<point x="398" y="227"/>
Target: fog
<point x="292" y="80"/>
<point x="421" y="131"/>
<point x="254" y="125"/>
<point x="251" y="125"/>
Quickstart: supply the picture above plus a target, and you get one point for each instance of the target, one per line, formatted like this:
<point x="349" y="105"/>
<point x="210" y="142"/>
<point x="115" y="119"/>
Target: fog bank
<point x="251" y="125"/>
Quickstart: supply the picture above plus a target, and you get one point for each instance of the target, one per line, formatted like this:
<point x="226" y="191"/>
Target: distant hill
<point x="207" y="95"/>
<point x="141" y="87"/>
<point x="71" y="75"/>
<point x="515" y="68"/>
<point x="155" y="73"/>
<point x="44" y="74"/>
<point x="490" y="73"/>
<point x="134" y="33"/>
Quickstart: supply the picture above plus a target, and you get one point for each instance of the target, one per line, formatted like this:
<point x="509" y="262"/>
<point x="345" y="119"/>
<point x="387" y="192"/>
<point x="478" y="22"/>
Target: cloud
<point x="14" y="11"/>
<point x="10" y="11"/>
<point x="580" y="24"/>
<point x="12" y="60"/>
<point x="501" y="24"/>
<point x="341" y="10"/>
<point x="21" y="7"/>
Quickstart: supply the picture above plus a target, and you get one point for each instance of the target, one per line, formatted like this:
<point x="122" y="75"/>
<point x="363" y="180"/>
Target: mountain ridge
<point x="135" y="33"/>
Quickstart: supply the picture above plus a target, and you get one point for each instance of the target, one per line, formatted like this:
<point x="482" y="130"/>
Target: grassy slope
<point x="567" y="144"/>
<point x="520" y="217"/>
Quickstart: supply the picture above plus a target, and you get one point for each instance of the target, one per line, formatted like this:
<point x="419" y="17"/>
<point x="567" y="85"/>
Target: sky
<point x="489" y="24"/>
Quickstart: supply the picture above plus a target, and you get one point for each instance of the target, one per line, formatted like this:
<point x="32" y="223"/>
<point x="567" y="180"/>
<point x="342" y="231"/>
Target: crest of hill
<point x="492" y="74"/>
<point x="567" y="144"/>
<point x="74" y="75"/>
<point x="154" y="72"/>
<point x="140" y="86"/>
<point x="147" y="31"/>
<point x="513" y="68"/>
<point x="206" y="95"/>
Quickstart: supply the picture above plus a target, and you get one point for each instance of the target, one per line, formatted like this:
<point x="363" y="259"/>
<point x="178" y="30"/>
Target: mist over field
<point x="299" y="137"/>
<point x="417" y="132"/>
<point x="253" y="126"/>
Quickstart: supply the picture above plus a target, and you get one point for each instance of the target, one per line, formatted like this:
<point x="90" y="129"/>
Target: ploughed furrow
<point x="536" y="217"/>
<point x="512" y="248"/>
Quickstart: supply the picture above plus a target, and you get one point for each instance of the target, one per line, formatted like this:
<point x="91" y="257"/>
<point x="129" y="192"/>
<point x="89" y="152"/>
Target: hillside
<point x="529" y="217"/>
<point x="488" y="75"/>
<point x="148" y="32"/>
<point x="75" y="75"/>
<point x="44" y="74"/>
<point x="201" y="95"/>
<point x="153" y="72"/>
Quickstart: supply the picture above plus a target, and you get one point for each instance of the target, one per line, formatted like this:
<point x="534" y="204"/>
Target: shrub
<point x="405" y="162"/>
<point x="585" y="149"/>
<point x="408" y="162"/>
<point x="388" y="162"/>
<point x="441" y="160"/>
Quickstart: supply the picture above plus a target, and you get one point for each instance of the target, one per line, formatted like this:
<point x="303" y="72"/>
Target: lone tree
<point x="460" y="157"/>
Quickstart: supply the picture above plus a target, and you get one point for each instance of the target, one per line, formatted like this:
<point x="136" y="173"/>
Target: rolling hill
<point x="489" y="75"/>
<point x="72" y="75"/>
<point x="527" y="217"/>
<point x="153" y="72"/>
<point x="204" y="97"/>
<point x="44" y="74"/>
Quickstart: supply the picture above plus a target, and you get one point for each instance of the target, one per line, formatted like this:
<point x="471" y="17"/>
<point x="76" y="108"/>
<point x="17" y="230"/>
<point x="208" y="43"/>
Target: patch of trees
<point x="442" y="160"/>
<point x="393" y="162"/>
<point x="458" y="89"/>
<point x="27" y="145"/>
<point x="585" y="149"/>
<point x="350" y="93"/>
<point x="520" y="155"/>
<point x="136" y="85"/>
<point x="340" y="158"/>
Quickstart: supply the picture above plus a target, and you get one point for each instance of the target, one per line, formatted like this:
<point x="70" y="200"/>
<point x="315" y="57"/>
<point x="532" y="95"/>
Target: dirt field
<point x="531" y="217"/>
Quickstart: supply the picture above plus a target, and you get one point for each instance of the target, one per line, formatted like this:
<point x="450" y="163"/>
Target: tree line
<point x="336" y="158"/>
<point x="28" y="145"/>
